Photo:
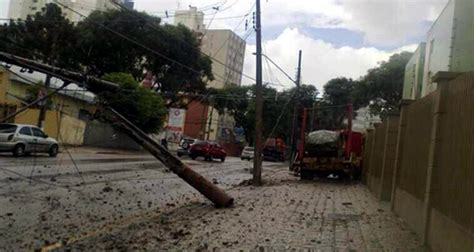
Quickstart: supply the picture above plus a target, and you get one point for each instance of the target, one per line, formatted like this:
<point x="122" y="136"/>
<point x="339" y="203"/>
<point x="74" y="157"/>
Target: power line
<point x="210" y="56"/>
<point x="279" y="68"/>
<point x="164" y="56"/>
<point x="137" y="43"/>
<point x="235" y="28"/>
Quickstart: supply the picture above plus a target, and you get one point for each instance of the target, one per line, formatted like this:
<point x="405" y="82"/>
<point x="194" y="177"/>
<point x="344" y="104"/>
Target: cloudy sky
<point x="338" y="37"/>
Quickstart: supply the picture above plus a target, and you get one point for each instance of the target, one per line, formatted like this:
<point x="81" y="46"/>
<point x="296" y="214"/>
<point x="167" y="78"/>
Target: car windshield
<point x="248" y="148"/>
<point x="7" y="128"/>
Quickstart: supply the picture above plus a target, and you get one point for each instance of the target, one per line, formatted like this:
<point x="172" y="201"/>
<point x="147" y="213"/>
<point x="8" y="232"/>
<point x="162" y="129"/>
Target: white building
<point x="449" y="47"/>
<point x="192" y="18"/>
<point x="20" y="9"/>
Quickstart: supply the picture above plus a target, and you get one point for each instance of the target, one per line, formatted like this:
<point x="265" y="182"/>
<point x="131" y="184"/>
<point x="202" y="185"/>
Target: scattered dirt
<point x="284" y="214"/>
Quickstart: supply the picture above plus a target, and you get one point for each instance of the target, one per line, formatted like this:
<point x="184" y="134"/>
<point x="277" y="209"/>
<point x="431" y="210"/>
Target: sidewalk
<point x="283" y="214"/>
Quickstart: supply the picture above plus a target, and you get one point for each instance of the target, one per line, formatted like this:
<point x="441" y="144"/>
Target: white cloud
<point x="321" y="60"/>
<point x="391" y="22"/>
<point x="382" y="22"/>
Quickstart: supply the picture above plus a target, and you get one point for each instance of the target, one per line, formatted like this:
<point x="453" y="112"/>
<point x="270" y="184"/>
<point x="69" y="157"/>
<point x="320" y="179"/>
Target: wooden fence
<point x="427" y="161"/>
<point x="382" y="144"/>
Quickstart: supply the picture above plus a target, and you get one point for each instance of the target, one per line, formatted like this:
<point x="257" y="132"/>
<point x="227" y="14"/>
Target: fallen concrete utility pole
<point x="92" y="84"/>
<point x="204" y="186"/>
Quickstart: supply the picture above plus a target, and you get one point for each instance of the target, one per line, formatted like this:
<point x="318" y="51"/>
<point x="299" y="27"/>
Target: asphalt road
<point x="48" y="200"/>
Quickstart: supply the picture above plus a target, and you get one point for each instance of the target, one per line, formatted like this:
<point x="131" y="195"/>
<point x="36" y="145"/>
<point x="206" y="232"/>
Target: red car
<point x="207" y="150"/>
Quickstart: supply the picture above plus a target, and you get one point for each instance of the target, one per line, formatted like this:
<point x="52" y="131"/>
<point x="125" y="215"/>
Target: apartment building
<point x="226" y="47"/>
<point x="449" y="47"/>
<point x="227" y="50"/>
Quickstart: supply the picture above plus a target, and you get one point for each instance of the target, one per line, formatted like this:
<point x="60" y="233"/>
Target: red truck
<point x="330" y="152"/>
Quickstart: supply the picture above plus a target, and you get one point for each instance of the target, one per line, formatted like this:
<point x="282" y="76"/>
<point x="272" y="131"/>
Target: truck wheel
<point x="192" y="157"/>
<point x="306" y="175"/>
<point x="222" y="159"/>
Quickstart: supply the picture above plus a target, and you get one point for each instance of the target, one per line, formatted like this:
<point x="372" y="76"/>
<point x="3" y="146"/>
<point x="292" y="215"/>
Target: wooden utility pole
<point x="294" y="123"/>
<point x="209" y="124"/>
<point x="257" y="161"/>
<point x="44" y="104"/>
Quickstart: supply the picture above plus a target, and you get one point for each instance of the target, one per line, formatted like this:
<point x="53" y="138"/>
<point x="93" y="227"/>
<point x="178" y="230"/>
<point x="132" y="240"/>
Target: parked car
<point x="208" y="150"/>
<point x="247" y="153"/>
<point x="21" y="139"/>
<point x="184" y="146"/>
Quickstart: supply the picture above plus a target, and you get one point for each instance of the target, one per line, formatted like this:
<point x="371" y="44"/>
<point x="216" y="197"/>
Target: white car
<point x="21" y="139"/>
<point x="247" y="153"/>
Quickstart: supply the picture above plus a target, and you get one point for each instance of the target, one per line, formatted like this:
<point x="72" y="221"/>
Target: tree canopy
<point x="120" y="46"/>
<point x="140" y="105"/>
<point x="112" y="41"/>
<point x="380" y="89"/>
<point x="46" y="36"/>
<point x="120" y="41"/>
<point x="277" y="107"/>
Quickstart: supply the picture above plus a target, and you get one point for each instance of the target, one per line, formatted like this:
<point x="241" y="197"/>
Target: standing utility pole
<point x="257" y="161"/>
<point x="43" y="109"/>
<point x="294" y="123"/>
<point x="209" y="124"/>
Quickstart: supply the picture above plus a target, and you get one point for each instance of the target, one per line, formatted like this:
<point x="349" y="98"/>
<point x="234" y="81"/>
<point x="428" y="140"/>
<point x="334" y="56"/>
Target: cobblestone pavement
<point x="284" y="214"/>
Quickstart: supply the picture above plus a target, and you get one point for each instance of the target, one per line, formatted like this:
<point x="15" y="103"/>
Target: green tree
<point x="140" y="105"/>
<point x="382" y="87"/>
<point x="148" y="46"/>
<point x="46" y="36"/>
<point x="277" y="107"/>
<point x="332" y="109"/>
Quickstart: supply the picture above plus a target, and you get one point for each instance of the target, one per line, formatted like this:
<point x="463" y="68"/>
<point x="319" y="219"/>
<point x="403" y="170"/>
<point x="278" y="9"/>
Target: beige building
<point x="227" y="51"/>
<point x="20" y="9"/>
<point x="225" y="47"/>
<point x="67" y="112"/>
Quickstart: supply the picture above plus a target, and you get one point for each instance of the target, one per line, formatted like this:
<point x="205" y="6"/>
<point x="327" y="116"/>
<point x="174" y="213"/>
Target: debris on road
<point x="284" y="214"/>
